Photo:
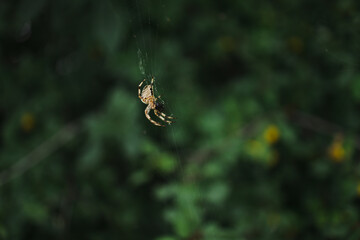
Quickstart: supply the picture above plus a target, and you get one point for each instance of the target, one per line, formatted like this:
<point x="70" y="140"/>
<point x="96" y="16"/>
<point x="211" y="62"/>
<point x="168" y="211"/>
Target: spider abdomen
<point x="159" y="106"/>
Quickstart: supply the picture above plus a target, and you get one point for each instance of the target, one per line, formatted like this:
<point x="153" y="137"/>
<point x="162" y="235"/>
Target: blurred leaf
<point x="35" y="211"/>
<point x="91" y="157"/>
<point x="166" y="163"/>
<point x="108" y="26"/>
<point x="217" y="193"/>
<point x="356" y="88"/>
<point x="213" y="169"/>
<point x="180" y="222"/>
<point x="139" y="177"/>
<point x="3" y="232"/>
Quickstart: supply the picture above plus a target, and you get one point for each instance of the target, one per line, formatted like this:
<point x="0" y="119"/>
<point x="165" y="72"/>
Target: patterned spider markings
<point x="147" y="96"/>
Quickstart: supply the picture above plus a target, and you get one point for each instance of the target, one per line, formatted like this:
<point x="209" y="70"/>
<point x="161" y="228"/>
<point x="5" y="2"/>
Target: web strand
<point x="185" y="182"/>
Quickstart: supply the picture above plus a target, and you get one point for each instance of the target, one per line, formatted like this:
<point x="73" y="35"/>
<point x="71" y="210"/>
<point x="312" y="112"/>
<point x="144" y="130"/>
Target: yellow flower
<point x="260" y="152"/>
<point x="272" y="134"/>
<point x="336" y="150"/>
<point x="358" y="189"/>
<point x="27" y="122"/>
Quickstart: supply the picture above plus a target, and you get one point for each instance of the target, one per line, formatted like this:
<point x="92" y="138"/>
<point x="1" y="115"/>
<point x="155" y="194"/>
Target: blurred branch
<point x="201" y="155"/>
<point x="302" y="119"/>
<point x="314" y="123"/>
<point x="317" y="124"/>
<point x="60" y="138"/>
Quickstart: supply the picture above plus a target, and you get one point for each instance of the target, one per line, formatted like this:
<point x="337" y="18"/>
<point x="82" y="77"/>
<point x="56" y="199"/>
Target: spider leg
<point x="139" y="88"/>
<point x="147" y="111"/>
<point x="164" y="115"/>
<point x="159" y="115"/>
<point x="152" y="86"/>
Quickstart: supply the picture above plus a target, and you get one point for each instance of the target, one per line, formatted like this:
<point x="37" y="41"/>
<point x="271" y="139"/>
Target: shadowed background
<point x="265" y="144"/>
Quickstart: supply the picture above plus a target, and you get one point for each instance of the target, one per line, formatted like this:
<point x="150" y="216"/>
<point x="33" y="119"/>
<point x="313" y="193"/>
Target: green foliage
<point x="264" y="146"/>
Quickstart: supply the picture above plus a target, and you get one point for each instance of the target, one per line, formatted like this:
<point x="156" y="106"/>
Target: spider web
<point x="187" y="194"/>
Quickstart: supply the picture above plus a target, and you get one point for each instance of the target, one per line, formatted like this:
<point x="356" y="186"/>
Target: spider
<point x="147" y="96"/>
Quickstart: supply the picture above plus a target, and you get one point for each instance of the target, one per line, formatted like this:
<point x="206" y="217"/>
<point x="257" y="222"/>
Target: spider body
<point x="159" y="106"/>
<point x="147" y="96"/>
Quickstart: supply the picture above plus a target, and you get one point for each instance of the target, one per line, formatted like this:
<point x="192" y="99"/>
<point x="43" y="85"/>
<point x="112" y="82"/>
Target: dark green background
<point x="79" y="160"/>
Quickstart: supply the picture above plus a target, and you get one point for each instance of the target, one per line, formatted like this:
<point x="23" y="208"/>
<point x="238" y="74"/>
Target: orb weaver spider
<point x="147" y="96"/>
